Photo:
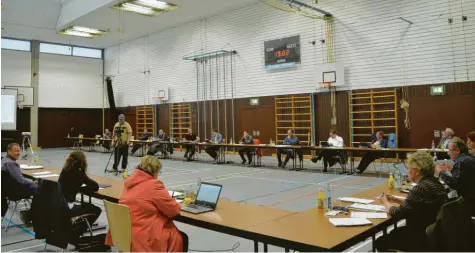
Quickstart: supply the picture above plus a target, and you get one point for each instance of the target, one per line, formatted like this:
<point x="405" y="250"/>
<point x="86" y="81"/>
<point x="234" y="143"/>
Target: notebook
<point x="369" y="215"/>
<point x="349" y="222"/>
<point x="376" y="208"/>
<point x="355" y="200"/>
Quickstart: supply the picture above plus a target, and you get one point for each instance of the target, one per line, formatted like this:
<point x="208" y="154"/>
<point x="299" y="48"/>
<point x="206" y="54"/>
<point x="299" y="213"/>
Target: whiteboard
<point x="27" y="93"/>
<point x="9" y="109"/>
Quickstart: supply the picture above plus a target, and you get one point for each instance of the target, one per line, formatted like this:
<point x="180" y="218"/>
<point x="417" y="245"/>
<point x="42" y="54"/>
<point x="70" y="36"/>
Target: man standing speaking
<point x="120" y="140"/>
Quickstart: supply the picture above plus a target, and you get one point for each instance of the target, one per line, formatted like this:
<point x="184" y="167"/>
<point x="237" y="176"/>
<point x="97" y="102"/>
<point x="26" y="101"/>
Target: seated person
<point x="216" y="138"/>
<point x="461" y="176"/>
<point x="145" y="135"/>
<point x="190" y="148"/>
<point x="444" y="141"/>
<point x="151" y="210"/>
<point x="160" y="147"/>
<point x="420" y="207"/>
<point x="327" y="155"/>
<point x="292" y="140"/>
<point x="106" y="137"/>
<point x="369" y="157"/>
<point x="72" y="177"/>
<point x="10" y="165"/>
<point x="471" y="143"/>
<point x="246" y="139"/>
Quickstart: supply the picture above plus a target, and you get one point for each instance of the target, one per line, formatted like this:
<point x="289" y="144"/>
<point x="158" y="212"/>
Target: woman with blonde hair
<point x="152" y="210"/>
<point x="419" y="208"/>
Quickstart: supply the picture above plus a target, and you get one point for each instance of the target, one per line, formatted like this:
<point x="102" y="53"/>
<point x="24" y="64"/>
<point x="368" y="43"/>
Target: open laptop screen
<point x="208" y="194"/>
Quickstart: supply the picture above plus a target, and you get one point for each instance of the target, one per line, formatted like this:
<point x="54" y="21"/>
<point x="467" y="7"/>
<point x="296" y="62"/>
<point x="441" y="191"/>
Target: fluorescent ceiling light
<point x="145" y="7"/>
<point x="153" y="4"/>
<point x="138" y="9"/>
<point x="82" y="31"/>
<point x="87" y="30"/>
<point x="76" y="33"/>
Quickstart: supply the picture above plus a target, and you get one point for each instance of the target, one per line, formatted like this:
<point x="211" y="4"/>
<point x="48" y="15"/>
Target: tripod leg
<point x="107" y="165"/>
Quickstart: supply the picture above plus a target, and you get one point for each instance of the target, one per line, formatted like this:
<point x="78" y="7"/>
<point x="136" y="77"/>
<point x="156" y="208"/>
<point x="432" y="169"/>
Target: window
<point x="87" y="52"/>
<point x="55" y="49"/>
<point x="21" y="45"/>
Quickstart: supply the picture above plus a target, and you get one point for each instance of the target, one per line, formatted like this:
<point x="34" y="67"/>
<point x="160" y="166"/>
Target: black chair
<point x="12" y="191"/>
<point x="454" y="228"/>
<point x="51" y="216"/>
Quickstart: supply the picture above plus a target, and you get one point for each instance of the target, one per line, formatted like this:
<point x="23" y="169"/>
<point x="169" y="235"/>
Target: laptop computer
<point x="324" y="144"/>
<point x="206" y="199"/>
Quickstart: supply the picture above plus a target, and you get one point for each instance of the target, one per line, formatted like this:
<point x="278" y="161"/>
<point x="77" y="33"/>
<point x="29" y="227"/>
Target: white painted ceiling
<point x="37" y="19"/>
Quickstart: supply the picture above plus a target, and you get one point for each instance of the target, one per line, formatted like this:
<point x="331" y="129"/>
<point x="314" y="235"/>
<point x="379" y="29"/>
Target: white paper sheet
<point x="369" y="215"/>
<point x="332" y="213"/>
<point x="348" y="222"/>
<point x="356" y="200"/>
<point x="32" y="167"/>
<point x="47" y="175"/>
<point x="376" y="208"/>
<point x="42" y="173"/>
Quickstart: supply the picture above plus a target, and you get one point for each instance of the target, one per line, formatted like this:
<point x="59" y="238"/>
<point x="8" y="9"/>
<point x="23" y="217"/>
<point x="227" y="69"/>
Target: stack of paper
<point x="376" y="208"/>
<point x="369" y="215"/>
<point x="44" y="174"/>
<point x="356" y="200"/>
<point x="30" y="167"/>
<point x="348" y="222"/>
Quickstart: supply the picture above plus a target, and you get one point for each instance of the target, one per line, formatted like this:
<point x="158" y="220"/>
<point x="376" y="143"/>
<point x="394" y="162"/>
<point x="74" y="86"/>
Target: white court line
<point x="278" y="180"/>
<point x="185" y="172"/>
<point x="212" y="179"/>
<point x="27" y="247"/>
<point x="363" y="244"/>
<point x="352" y="187"/>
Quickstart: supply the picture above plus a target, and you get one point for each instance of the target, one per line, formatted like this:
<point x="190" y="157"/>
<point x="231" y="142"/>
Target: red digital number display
<point x="282" y="53"/>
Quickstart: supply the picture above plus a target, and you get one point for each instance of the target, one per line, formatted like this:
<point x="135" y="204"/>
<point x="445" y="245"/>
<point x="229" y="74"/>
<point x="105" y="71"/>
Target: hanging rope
<point x="405" y="106"/>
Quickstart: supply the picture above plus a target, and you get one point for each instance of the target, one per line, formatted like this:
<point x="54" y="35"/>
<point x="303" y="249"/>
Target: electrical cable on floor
<point x="235" y="246"/>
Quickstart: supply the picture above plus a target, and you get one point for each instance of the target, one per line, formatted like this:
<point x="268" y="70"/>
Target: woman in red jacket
<point x="151" y="209"/>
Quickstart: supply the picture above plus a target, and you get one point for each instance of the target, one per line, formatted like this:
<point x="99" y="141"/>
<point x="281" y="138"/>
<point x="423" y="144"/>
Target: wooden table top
<point x="313" y="229"/>
<point x="231" y="215"/>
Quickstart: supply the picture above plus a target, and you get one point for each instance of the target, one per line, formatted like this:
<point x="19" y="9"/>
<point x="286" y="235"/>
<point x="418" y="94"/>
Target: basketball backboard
<point x="333" y="73"/>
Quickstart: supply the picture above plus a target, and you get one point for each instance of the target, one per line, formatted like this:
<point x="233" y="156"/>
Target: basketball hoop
<point x="324" y="87"/>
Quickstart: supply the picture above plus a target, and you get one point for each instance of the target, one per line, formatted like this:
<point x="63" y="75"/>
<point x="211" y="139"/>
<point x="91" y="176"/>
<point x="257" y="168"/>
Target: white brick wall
<point x="70" y="82"/>
<point x="378" y="49"/>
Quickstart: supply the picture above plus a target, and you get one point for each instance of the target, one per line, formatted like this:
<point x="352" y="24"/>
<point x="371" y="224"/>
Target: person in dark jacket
<point x="369" y="157"/>
<point x="246" y="139"/>
<point x="145" y="135"/>
<point x="420" y="207"/>
<point x="461" y="175"/>
<point x="72" y="177"/>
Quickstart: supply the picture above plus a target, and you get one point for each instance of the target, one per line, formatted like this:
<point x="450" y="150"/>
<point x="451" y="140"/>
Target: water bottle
<point x="320" y="199"/>
<point x="433" y="145"/>
<point x="329" y="197"/>
<point x="271" y="142"/>
<point x="391" y="181"/>
<point x="231" y="141"/>
<point x="397" y="180"/>
<point x="435" y="156"/>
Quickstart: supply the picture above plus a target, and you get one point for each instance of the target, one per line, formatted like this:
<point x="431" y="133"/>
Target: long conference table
<point x="309" y="230"/>
<point x="401" y="152"/>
